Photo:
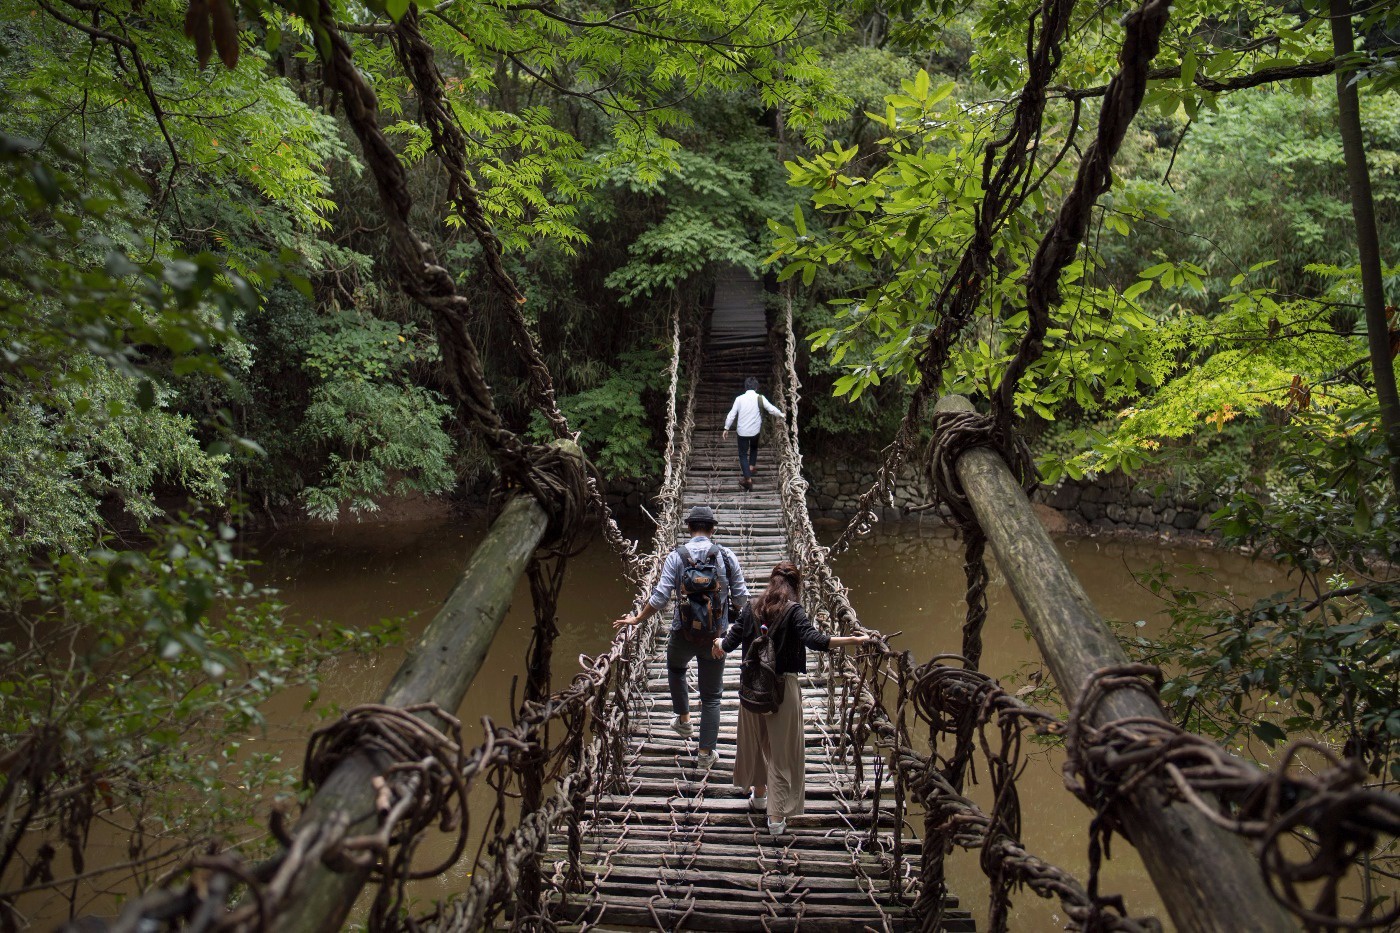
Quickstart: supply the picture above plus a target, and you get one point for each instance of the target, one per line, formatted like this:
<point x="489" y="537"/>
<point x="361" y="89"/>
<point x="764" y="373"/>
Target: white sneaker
<point x="757" y="803"/>
<point x="706" y="760"/>
<point x="682" y="727"/>
<point x="777" y="827"/>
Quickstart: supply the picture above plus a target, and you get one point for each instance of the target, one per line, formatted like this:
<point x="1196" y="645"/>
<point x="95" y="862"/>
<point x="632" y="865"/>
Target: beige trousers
<point x="771" y="751"/>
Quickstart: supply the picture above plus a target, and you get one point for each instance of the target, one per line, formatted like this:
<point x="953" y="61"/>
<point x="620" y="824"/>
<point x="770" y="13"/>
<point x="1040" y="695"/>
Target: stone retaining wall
<point x="1116" y="502"/>
<point x="627" y="496"/>
<point x="1111" y="503"/>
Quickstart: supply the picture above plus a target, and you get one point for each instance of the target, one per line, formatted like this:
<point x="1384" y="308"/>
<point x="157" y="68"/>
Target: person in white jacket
<point x="747" y="416"/>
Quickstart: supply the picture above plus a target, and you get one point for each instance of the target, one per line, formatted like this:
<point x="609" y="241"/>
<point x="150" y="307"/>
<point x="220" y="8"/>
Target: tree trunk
<point x="1208" y="877"/>
<point x="1363" y="209"/>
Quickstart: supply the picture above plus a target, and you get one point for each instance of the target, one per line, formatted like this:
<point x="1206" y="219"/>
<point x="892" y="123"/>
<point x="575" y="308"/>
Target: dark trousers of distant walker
<point x="748" y="454"/>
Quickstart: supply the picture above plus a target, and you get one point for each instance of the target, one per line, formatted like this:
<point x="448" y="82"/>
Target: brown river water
<point x="908" y="579"/>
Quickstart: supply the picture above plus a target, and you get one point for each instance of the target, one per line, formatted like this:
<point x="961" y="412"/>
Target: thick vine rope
<point x="955" y="704"/>
<point x="449" y="143"/>
<point x="1007" y="179"/>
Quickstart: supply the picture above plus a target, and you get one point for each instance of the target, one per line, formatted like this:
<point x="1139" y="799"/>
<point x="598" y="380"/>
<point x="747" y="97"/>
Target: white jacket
<point x="746" y="411"/>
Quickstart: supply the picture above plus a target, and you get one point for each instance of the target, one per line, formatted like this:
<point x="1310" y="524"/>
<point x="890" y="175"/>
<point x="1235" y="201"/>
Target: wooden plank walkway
<point x="680" y="848"/>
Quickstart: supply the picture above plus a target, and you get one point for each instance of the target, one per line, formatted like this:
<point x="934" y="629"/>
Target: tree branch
<point x="1240" y="83"/>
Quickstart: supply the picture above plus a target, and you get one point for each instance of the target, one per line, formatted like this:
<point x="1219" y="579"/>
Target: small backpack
<point x="698" y="590"/>
<point x="760" y="684"/>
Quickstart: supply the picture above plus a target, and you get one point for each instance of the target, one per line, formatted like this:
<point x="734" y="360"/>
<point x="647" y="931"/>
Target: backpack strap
<point x="779" y="630"/>
<point x="684" y="554"/>
<point x="729" y="565"/>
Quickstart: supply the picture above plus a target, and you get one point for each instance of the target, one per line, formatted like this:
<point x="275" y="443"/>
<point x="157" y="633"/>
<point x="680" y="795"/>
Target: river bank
<point x="1114" y="506"/>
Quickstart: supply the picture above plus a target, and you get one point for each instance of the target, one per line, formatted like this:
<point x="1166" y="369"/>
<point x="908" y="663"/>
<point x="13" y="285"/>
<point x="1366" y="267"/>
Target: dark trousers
<point x="679" y="654"/>
<point x="748" y="454"/>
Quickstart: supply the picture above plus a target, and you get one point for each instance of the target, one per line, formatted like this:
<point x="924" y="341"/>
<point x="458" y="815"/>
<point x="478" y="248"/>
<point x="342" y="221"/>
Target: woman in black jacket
<point x="771" y="755"/>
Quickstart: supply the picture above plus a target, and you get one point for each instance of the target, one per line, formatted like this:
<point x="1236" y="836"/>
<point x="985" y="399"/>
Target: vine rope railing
<point x="1135" y="770"/>
<point x="409" y="763"/>
<point x="591" y="757"/>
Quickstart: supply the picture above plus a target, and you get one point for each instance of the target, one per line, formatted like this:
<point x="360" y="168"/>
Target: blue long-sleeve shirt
<point x="731" y="580"/>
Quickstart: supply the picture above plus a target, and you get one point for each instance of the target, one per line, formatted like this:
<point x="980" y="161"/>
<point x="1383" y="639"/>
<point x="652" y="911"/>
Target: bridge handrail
<point x="1208" y="878"/>
<point x="372" y="800"/>
<point x="602" y="695"/>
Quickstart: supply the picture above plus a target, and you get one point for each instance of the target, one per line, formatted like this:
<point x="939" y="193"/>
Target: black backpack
<point x="760" y="684"/>
<point x="699" y="596"/>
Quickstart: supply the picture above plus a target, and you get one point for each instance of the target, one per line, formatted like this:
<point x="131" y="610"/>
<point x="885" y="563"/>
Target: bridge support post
<point x="1207" y="876"/>
<point x="438" y="669"/>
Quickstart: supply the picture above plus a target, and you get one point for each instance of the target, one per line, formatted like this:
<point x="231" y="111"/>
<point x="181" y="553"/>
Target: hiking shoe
<point x="757" y="803"/>
<point x="682" y="727"/>
<point x="706" y="760"/>
<point x="777" y="827"/>
<point x="746" y="484"/>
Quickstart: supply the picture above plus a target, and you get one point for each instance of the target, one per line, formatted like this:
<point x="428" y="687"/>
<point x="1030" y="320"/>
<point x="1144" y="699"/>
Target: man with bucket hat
<point x="706" y="579"/>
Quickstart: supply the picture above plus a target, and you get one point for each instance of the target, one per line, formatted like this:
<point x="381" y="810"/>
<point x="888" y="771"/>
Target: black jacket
<point x="794" y="634"/>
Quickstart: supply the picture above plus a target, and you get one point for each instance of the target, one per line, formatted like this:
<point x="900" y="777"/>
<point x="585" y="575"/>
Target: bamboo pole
<point x="438" y="669"/>
<point x="1206" y="876"/>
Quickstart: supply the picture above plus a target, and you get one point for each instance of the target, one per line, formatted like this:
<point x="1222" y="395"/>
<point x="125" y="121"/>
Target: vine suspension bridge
<point x="601" y="818"/>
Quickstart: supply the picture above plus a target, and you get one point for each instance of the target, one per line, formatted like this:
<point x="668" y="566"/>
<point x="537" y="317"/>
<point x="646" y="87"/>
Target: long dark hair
<point x="784" y="585"/>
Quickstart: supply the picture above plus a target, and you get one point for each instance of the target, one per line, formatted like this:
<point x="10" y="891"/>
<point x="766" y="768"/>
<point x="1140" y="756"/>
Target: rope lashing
<point x="954" y="434"/>
<point x="1330" y="806"/>
<point x="962" y="699"/>
<point x="559" y="479"/>
<point x="946" y="698"/>
<point x="424" y="783"/>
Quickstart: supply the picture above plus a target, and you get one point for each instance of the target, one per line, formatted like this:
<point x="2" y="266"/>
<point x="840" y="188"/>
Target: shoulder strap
<point x="684" y="552"/>
<point x="710" y="554"/>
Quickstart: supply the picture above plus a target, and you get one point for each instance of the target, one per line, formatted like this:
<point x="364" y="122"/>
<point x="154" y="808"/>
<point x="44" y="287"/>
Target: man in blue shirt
<point x="682" y="647"/>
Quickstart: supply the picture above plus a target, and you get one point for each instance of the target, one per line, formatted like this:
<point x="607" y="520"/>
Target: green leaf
<point x="1269" y="733"/>
<point x="1189" y="64"/>
<point x="1137" y="288"/>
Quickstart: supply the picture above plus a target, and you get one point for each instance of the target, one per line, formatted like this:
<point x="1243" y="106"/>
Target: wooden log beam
<point x="1207" y="877"/>
<point x="438" y="669"/>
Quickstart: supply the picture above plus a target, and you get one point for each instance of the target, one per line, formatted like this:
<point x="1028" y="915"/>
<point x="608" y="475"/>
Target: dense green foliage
<point x="196" y="320"/>
<point x="1323" y="663"/>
